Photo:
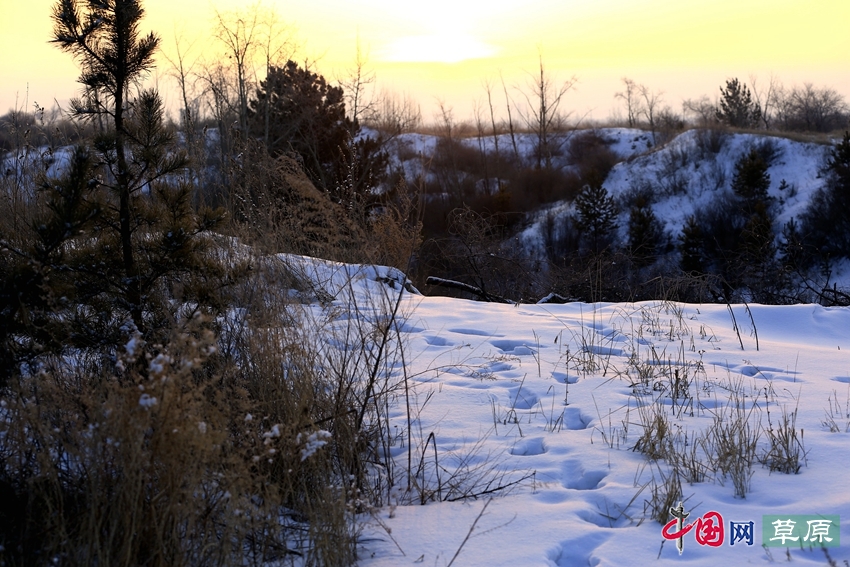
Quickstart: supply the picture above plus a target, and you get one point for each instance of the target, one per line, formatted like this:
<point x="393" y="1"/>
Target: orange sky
<point x="446" y="49"/>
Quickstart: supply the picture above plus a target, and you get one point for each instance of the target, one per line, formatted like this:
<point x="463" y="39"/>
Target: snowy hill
<point x="693" y="170"/>
<point x="688" y="175"/>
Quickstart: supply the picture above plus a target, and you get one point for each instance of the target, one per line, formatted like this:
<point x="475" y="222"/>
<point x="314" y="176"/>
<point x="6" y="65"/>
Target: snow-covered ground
<point x="554" y="398"/>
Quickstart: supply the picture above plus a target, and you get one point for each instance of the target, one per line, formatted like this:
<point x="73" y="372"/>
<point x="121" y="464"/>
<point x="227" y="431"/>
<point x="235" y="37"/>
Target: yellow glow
<point x="442" y="48"/>
<point x="447" y="48"/>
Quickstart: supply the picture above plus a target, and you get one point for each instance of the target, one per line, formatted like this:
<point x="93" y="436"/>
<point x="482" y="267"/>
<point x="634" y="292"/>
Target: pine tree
<point x="826" y="222"/>
<point x="791" y="251"/>
<point x="143" y="250"/>
<point x="597" y="215"/>
<point x="753" y="259"/>
<point x="104" y="37"/>
<point x="756" y="243"/>
<point x="691" y="247"/>
<point x="645" y="233"/>
<point x="838" y="168"/>
<point x="296" y="110"/>
<point x="737" y="108"/>
<point x="751" y="180"/>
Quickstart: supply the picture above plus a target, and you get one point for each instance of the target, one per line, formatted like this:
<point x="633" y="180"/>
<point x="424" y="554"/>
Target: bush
<point x="224" y="443"/>
<point x="710" y="141"/>
<point x="591" y="157"/>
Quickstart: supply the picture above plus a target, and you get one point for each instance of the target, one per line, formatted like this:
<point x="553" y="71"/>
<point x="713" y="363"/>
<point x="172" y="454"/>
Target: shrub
<point x="591" y="157"/>
<point x="710" y="141"/>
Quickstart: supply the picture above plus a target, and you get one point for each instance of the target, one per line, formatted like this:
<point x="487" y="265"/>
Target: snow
<point x="312" y="443"/>
<point x="540" y="395"/>
<point x="147" y="401"/>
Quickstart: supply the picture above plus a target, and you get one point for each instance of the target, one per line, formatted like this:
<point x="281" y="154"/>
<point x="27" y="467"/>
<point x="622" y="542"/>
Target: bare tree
<point x="395" y="114"/>
<point x="357" y="85"/>
<point x="651" y="102"/>
<point x="766" y="98"/>
<point x="221" y="105"/>
<point x="238" y="32"/>
<point x="703" y="110"/>
<point x="630" y="96"/>
<point x="543" y="114"/>
<point x="277" y="45"/>
<point x="511" y="128"/>
<point x="488" y="88"/>
<point x="812" y="109"/>
<point x="481" y="136"/>
<point x="183" y="71"/>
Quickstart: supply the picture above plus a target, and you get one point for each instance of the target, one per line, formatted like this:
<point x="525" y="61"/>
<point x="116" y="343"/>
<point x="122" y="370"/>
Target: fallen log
<point x="476" y="291"/>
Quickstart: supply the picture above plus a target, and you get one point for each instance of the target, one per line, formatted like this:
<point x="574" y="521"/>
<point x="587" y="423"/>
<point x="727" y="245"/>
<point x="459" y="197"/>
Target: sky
<point x="445" y="50"/>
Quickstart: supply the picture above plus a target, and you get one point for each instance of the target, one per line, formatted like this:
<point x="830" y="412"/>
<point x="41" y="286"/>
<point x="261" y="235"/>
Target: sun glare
<point x="436" y="48"/>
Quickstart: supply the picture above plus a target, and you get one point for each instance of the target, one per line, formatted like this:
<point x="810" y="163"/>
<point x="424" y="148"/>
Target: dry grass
<point x="252" y="438"/>
<point x="786" y="451"/>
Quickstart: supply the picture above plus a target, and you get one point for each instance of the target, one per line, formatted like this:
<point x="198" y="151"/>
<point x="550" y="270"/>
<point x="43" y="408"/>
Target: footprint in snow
<point x="473" y="332"/>
<point x="563" y="377"/>
<point x="517" y="348"/>
<point x="521" y="399"/>
<point x="575" y="477"/>
<point x="529" y="447"/>
<point x="578" y="551"/>
<point x="573" y="419"/>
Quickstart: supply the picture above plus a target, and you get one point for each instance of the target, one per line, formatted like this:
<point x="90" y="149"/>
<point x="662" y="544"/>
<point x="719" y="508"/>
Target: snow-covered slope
<point x="694" y="169"/>
<point x="687" y="174"/>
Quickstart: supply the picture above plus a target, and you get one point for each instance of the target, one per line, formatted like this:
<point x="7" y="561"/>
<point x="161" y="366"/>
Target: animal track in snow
<point x="473" y="332"/>
<point x="603" y="350"/>
<point x="529" y="447"/>
<point x="522" y="399"/>
<point x="499" y="366"/>
<point x="603" y="519"/>
<point x="573" y="419"/>
<point x="578" y="551"/>
<point x="434" y="340"/>
<point x="513" y="347"/>
<point x="406" y="327"/>
<point x="564" y="377"/>
<point x="759" y="372"/>
<point x="575" y="477"/>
